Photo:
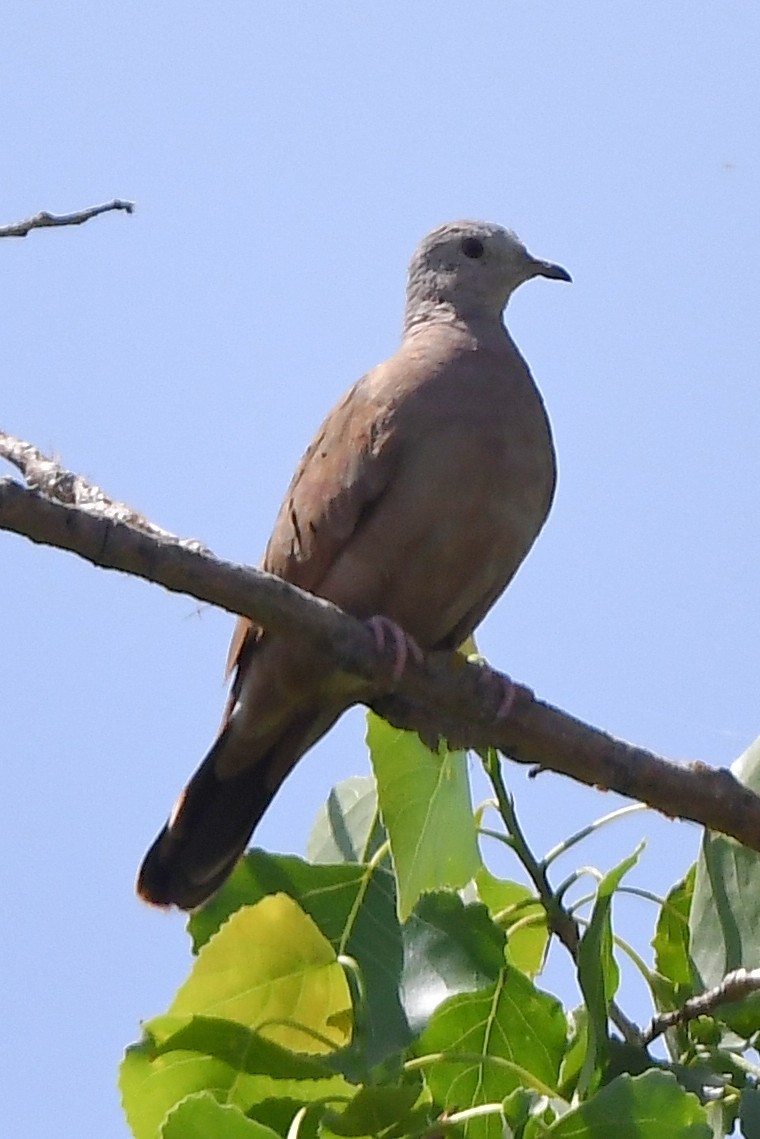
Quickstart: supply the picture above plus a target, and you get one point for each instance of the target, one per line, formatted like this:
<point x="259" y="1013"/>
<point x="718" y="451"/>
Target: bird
<point x="416" y="503"/>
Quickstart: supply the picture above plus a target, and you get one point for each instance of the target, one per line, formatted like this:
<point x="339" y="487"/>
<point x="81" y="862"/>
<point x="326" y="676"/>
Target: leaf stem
<point x="559" y="920"/>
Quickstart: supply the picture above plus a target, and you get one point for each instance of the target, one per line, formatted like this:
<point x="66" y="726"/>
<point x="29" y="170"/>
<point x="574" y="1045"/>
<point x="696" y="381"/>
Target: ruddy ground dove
<point x="418" y="499"/>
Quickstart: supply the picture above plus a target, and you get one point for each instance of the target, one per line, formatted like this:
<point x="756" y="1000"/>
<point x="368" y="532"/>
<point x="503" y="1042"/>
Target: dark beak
<point x="549" y="269"/>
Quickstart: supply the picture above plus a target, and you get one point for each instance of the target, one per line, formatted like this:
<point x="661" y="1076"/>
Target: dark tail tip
<point x="207" y="832"/>
<point x="154" y="882"/>
<point x="214" y="818"/>
<point x="163" y="880"/>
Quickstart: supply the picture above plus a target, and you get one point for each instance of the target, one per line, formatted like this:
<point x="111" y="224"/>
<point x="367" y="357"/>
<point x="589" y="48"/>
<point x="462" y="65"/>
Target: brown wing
<point x="343" y="472"/>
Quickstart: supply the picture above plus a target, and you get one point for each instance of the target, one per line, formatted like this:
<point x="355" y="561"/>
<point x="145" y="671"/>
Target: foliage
<point x="387" y="987"/>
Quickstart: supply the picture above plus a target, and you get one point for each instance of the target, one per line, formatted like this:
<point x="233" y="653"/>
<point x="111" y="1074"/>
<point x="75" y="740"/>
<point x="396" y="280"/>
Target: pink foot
<point x="502" y="687"/>
<point x="384" y="631"/>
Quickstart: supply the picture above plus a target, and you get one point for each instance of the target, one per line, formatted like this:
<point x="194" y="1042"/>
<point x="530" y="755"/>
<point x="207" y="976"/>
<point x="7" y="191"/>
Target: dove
<point x="413" y="507"/>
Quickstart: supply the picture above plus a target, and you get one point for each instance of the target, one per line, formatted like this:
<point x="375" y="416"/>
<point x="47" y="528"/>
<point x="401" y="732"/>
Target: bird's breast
<point x="470" y="494"/>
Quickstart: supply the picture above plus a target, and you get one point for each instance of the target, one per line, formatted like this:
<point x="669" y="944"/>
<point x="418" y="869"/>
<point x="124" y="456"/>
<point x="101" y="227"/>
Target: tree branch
<point x="734" y="987"/>
<point x="54" y="482"/>
<point x="442" y="696"/>
<point x="45" y="220"/>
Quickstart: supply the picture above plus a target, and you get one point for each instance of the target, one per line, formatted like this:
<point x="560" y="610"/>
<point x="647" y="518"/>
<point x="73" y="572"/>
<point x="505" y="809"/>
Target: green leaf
<point x="150" y="1086"/>
<point x="725" y="913"/>
<point x="749" y="1113"/>
<point x="355" y="908"/>
<point x="278" y="1115"/>
<point x="671" y="940"/>
<point x="374" y="1109"/>
<point x="238" y="1046"/>
<point x="444" y="948"/>
<point x="519" y="1107"/>
<point x="515" y="909"/>
<point x="242" y="888"/>
<point x="598" y="974"/>
<point x="747" y="767"/>
<point x="348" y="827"/>
<point x="482" y="1046"/>
<point x="626" y="1058"/>
<point x="674" y="979"/>
<point x="449" y="948"/>
<point x="575" y="1053"/>
<point x="427" y="811"/>
<point x="156" y="1074"/>
<point x="200" y="1116"/>
<point x="270" y="968"/>
<point x="650" y="1106"/>
<point x="725" y="934"/>
<point x="327" y="893"/>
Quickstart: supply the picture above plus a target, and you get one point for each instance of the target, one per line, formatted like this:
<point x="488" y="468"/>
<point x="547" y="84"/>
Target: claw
<point x="503" y="687"/>
<point x="404" y="646"/>
<point x="508" y="698"/>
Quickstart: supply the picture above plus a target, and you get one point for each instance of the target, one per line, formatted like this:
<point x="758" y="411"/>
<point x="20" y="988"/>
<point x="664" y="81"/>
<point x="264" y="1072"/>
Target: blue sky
<point x="285" y="160"/>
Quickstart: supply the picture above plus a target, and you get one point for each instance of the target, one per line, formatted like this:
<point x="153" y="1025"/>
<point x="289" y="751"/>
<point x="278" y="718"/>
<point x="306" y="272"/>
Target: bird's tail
<point x="216" y="814"/>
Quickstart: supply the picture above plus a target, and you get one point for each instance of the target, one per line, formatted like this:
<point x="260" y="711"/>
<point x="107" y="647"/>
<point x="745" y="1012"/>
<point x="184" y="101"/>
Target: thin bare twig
<point x="45" y="220"/>
<point x="442" y="695"/>
<point x="54" y="482"/>
<point x="735" y="986"/>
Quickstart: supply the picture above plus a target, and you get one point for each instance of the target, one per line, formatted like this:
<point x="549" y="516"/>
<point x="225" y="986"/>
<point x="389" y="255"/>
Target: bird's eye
<point x="473" y="247"/>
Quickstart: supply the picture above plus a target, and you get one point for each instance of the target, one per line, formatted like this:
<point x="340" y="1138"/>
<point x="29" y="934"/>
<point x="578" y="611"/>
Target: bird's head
<point x="470" y="268"/>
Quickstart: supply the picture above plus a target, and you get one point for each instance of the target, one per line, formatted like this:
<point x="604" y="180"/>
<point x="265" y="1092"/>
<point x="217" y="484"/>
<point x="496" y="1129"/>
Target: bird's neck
<point x="431" y="314"/>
